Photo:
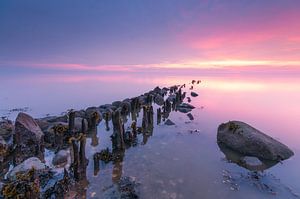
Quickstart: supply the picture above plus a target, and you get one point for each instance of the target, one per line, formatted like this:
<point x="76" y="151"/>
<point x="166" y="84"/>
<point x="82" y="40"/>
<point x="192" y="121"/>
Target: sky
<point x="129" y="35"/>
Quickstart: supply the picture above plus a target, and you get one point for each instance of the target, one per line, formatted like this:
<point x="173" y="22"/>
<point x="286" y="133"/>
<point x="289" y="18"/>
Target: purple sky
<point x="146" y="34"/>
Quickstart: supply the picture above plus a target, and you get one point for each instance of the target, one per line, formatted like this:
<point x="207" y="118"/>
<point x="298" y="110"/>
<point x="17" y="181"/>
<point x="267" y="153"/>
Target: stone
<point x="28" y="138"/>
<point x="117" y="104"/>
<point x="159" y="100"/>
<point x="249" y="141"/>
<point x="185" y="108"/>
<point x="4" y="149"/>
<point x="25" y="166"/>
<point x="61" y="158"/>
<point x="6" y="128"/>
<point x="190" y="116"/>
<point x="169" y="122"/>
<point x="194" y="94"/>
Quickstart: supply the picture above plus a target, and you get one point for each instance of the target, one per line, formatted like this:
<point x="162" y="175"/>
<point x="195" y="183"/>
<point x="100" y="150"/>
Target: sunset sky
<point x="126" y="35"/>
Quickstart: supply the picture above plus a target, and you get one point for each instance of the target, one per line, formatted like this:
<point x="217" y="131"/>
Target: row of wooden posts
<point x="78" y="139"/>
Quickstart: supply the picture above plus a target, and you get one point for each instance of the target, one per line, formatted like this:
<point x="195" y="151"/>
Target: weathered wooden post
<point x="145" y="119"/>
<point x="117" y="136"/>
<point x="72" y="123"/>
<point x="150" y="116"/>
<point x="168" y="106"/>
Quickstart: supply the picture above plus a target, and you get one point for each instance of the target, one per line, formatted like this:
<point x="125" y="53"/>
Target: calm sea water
<point x="174" y="163"/>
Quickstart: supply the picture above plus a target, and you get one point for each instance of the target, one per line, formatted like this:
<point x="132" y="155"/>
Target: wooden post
<point x="72" y="123"/>
<point x="145" y="119"/>
<point x="118" y="142"/>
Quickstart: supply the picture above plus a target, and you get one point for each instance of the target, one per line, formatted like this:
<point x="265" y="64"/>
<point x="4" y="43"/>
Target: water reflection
<point x="250" y="163"/>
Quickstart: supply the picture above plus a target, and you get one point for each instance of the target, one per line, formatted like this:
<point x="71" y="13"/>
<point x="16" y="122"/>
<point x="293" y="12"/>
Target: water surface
<point x="173" y="162"/>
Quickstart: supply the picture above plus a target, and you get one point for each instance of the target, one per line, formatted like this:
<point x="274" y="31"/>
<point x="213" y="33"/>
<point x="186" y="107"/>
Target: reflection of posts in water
<point x="75" y="162"/>
<point x="79" y="161"/>
<point x="174" y="104"/>
<point x="158" y="116"/>
<point x="83" y="163"/>
<point x="96" y="164"/>
<point x="118" y="165"/>
<point x="118" y="134"/>
<point x="94" y="138"/>
<point x="145" y="119"/>
<point x="106" y="118"/>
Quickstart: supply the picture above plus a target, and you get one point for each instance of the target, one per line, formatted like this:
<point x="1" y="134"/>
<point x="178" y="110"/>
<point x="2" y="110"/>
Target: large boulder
<point x="249" y="141"/>
<point x="28" y="138"/>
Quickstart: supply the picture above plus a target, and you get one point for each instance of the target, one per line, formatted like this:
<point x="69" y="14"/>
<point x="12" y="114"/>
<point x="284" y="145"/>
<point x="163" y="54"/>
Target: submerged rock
<point x="185" y="108"/>
<point x="169" y="122"/>
<point x="193" y="94"/>
<point x="28" y="138"/>
<point x="159" y="100"/>
<point x="190" y="116"/>
<point x="249" y="141"/>
<point x="25" y="166"/>
<point x="61" y="158"/>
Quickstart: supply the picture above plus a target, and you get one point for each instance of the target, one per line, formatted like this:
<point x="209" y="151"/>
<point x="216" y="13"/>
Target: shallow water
<point x="173" y="162"/>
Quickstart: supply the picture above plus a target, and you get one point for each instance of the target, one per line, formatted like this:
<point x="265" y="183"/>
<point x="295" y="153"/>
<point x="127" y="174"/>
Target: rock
<point x="159" y="100"/>
<point x="117" y="104"/>
<point x="193" y="94"/>
<point x="249" y="141"/>
<point x="6" y="128"/>
<point x="169" y="122"/>
<point x="61" y="158"/>
<point x="28" y="138"/>
<point x="171" y="97"/>
<point x="190" y="116"/>
<point x="49" y="134"/>
<point x="189" y="99"/>
<point x="4" y="149"/>
<point x="185" y="108"/>
<point x="25" y="166"/>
